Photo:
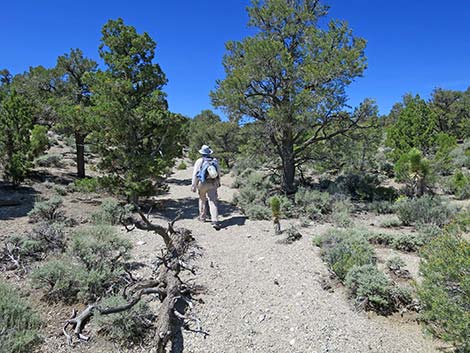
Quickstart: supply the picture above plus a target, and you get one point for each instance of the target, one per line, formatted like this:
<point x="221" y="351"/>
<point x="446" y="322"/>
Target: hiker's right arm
<point x="195" y="180"/>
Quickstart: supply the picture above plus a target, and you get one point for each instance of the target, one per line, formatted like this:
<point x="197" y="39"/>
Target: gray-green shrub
<point x="424" y="210"/>
<point x="343" y="249"/>
<point x="341" y="215"/>
<point x="50" y="160"/>
<point x="445" y="289"/>
<point x="130" y="326"/>
<point x="110" y="212"/>
<point x="254" y="192"/>
<point x="19" y="323"/>
<point x="311" y="203"/>
<point x="48" y="211"/>
<point x="94" y="263"/>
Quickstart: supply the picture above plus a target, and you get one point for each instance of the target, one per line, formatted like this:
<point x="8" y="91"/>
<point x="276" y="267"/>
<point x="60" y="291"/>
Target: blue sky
<point x="413" y="46"/>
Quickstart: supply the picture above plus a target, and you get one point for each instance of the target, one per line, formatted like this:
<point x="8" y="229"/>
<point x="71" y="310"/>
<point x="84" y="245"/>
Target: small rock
<point x="291" y="329"/>
<point x="261" y="318"/>
<point x="292" y="342"/>
<point x="141" y="242"/>
<point x="276" y="282"/>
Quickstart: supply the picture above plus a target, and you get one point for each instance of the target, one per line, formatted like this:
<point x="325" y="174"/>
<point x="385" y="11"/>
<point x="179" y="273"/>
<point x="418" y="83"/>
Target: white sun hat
<point x="205" y="150"/>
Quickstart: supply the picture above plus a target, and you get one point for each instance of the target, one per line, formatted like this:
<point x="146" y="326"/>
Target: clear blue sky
<point x="413" y="46"/>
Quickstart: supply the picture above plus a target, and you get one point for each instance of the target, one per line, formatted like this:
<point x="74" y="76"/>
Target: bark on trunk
<point x="288" y="168"/>
<point x="80" y="144"/>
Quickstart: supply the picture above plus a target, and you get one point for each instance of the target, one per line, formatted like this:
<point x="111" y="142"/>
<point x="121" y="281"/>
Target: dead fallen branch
<point x="174" y="295"/>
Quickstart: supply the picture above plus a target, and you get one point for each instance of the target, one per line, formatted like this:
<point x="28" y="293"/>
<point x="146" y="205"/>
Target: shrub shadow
<point x="15" y="201"/>
<point x="179" y="182"/>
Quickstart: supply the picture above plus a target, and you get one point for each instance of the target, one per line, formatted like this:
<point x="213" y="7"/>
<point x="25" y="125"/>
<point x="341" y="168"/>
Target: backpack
<point x="209" y="169"/>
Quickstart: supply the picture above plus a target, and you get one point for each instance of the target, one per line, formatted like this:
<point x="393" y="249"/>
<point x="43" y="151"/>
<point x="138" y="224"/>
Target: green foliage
<point x="381" y="207"/>
<point x="415" y="171"/>
<point x="16" y="122"/>
<point x="39" y="140"/>
<point x="445" y="290"/>
<point x="223" y="136"/>
<point x="359" y="186"/>
<point x="139" y="138"/>
<point x="460" y="185"/>
<point x="275" y="204"/>
<point x="92" y="268"/>
<point x="461" y="155"/>
<point x="290" y="43"/>
<point x="253" y="195"/>
<point x="424" y="210"/>
<point x="19" y="323"/>
<point x="311" y="203"/>
<point x="442" y="159"/>
<point x="452" y="111"/>
<point x="341" y="214"/>
<point x="395" y="262"/>
<point x="415" y="128"/>
<point x="342" y="249"/>
<point x="86" y="185"/>
<point x="50" y="160"/>
<point x="49" y="210"/>
<point x="99" y="247"/>
<point x="110" y="212"/>
<point x="61" y="278"/>
<point x="182" y="166"/>
<point x="390" y="222"/>
<point x="129" y="326"/>
<point x="409" y="242"/>
<point x="374" y="291"/>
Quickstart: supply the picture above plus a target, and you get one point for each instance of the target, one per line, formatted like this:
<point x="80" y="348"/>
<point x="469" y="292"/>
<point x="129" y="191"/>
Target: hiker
<point x="206" y="180"/>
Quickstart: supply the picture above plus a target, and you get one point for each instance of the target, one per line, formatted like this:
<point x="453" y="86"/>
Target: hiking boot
<point x="216" y="225"/>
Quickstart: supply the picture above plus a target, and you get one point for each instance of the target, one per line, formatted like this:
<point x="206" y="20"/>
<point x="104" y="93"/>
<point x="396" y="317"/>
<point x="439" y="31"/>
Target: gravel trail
<point x="262" y="296"/>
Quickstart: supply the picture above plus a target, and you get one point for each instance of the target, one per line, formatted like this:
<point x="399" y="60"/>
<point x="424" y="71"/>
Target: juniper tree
<point x="291" y="76"/>
<point x="137" y="136"/>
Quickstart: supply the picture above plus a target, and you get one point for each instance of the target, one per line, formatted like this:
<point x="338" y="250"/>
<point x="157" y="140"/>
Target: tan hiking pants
<point x="208" y="192"/>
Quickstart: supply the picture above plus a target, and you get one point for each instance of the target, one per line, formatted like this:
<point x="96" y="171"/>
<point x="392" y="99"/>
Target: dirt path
<point x="266" y="297"/>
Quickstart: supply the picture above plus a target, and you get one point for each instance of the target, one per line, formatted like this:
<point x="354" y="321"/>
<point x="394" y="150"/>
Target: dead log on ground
<point x="173" y="293"/>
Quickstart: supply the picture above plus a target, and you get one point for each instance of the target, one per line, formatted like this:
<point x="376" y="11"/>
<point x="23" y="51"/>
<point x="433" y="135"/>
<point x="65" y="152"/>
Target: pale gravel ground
<point x="266" y="297"/>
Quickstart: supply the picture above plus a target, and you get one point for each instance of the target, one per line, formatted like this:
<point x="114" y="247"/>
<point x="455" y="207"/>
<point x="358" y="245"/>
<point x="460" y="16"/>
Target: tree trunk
<point x="288" y="168"/>
<point x="80" y="144"/>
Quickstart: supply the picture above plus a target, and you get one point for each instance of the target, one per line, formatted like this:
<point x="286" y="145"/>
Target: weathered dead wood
<point x="172" y="292"/>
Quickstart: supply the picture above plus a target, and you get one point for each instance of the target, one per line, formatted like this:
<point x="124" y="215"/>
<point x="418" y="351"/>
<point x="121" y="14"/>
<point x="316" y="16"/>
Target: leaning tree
<point x="291" y="76"/>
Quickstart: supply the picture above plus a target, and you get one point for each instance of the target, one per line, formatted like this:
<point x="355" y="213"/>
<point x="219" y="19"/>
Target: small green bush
<point x="16" y="169"/>
<point x="415" y="171"/>
<point x="445" y="290"/>
<point x="424" y="210"/>
<point x="341" y="215"/>
<point x="85" y="185"/>
<point x="130" y="326"/>
<point x="49" y="210"/>
<point x="253" y="195"/>
<point x="60" y="190"/>
<point x="19" y="323"/>
<point x="460" y="185"/>
<point x="395" y="262"/>
<point x="99" y="247"/>
<point x="39" y="140"/>
<point x="61" y="278"/>
<point x="94" y="263"/>
<point x="370" y="288"/>
<point x="409" y="242"/>
<point x="182" y="166"/>
<point x="390" y="222"/>
<point x="111" y="212"/>
<point x="381" y="207"/>
<point x="50" y="160"/>
<point x="344" y="249"/>
<point x="461" y="155"/>
<point x="311" y="203"/>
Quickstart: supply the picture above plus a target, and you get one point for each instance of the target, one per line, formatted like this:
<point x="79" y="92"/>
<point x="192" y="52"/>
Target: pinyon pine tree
<point x="291" y="76"/>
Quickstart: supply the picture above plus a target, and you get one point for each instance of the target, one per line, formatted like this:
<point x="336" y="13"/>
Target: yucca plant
<point x="275" y="204"/>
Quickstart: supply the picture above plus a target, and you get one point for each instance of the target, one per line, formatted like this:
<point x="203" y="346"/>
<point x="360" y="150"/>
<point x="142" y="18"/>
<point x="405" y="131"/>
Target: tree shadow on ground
<point x="41" y="176"/>
<point x="179" y="182"/>
<point x="15" y="201"/>
<point x="188" y="208"/>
